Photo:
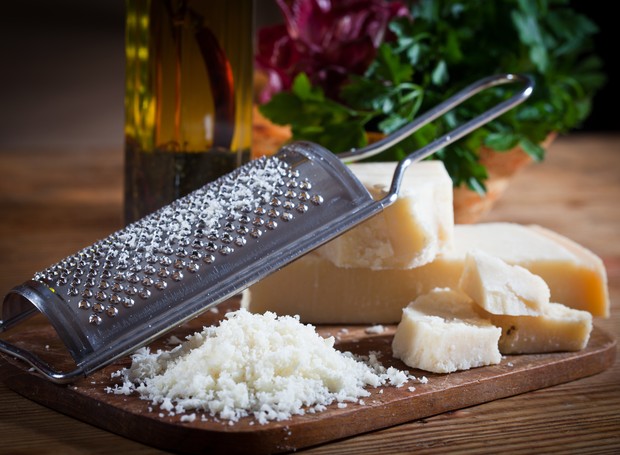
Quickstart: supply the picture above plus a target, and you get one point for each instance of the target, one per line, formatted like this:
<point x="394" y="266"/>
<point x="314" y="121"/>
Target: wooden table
<point x="56" y="202"/>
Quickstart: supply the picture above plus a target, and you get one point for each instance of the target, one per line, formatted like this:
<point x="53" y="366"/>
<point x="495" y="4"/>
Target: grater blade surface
<point x="128" y="289"/>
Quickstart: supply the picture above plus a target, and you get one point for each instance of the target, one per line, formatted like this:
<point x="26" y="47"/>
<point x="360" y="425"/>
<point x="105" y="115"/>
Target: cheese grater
<point x="130" y="288"/>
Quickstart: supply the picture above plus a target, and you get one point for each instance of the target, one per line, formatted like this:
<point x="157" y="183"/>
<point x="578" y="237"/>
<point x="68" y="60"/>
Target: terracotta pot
<point x="469" y="206"/>
<point x="267" y="137"/>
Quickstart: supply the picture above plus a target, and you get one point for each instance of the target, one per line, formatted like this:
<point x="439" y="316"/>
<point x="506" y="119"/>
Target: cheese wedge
<point x="557" y="328"/>
<point x="517" y="301"/>
<point x="500" y="288"/>
<point x="441" y="332"/>
<point x="319" y="292"/>
<point x="407" y="234"/>
<point x="575" y="275"/>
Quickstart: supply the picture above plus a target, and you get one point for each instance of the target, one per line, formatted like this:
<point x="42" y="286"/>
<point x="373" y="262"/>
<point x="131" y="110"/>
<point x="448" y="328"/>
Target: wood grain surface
<point x="55" y="202"/>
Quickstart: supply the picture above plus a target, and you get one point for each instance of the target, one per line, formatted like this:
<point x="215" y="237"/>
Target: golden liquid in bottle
<point x="188" y="102"/>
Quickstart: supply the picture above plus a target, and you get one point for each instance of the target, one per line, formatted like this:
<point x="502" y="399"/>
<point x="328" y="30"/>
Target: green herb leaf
<point x="532" y="149"/>
<point x="501" y="142"/>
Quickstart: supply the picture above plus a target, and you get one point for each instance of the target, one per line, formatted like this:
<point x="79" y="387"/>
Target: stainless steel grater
<point x="130" y="288"/>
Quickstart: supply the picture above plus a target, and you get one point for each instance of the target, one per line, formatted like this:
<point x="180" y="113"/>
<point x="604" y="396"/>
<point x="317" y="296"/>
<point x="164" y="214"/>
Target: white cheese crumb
<point x="263" y="366"/>
<point x="174" y="340"/>
<point x="188" y="417"/>
<point x="411" y="389"/>
<point x="375" y="329"/>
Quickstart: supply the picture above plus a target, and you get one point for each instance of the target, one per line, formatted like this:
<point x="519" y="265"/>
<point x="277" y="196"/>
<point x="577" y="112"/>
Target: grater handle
<point x="467" y="127"/>
<point x="450" y="137"/>
<point x="41" y="366"/>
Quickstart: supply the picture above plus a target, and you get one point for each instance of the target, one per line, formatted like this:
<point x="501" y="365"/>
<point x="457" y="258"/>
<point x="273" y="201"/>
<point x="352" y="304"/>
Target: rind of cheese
<point x="441" y="332"/>
<point x="557" y="328"/>
<point x="319" y="292"/>
<point x="501" y="288"/>
<point x="410" y="232"/>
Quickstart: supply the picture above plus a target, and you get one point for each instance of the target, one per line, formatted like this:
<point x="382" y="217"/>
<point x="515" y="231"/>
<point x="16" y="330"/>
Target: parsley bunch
<point x="448" y="45"/>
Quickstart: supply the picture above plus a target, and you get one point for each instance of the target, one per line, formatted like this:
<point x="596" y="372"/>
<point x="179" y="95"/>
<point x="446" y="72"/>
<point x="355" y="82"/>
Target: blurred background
<point x="62" y="73"/>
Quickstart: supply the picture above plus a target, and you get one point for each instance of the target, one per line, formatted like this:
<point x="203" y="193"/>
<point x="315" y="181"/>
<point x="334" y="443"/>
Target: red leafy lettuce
<point x="326" y="39"/>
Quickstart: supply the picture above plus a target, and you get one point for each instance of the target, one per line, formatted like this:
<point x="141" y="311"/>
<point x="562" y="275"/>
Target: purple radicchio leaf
<point x="326" y="39"/>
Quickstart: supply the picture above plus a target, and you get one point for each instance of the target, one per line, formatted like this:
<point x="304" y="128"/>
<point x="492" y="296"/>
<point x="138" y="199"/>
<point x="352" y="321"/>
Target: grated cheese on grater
<point x="262" y="365"/>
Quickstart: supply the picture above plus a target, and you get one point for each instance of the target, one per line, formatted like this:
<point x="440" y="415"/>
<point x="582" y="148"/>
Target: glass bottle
<point x="188" y="97"/>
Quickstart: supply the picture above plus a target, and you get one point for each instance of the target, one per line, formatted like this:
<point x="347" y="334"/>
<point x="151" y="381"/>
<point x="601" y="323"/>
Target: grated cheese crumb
<point x="375" y="329"/>
<point x="188" y="418"/>
<point x="265" y="366"/>
<point x="173" y="341"/>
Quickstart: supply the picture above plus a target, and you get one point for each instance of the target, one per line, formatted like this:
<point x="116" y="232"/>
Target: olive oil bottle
<point x="188" y="97"/>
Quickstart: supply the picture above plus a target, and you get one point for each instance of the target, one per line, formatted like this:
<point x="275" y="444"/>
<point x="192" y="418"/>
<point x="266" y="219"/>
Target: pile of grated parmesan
<point x="262" y="365"/>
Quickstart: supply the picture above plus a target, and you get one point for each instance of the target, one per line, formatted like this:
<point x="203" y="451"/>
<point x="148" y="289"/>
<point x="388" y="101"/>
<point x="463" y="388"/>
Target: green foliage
<point x="448" y="45"/>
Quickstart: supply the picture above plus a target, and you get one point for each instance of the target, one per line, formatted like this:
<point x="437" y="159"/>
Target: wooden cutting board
<point x="134" y="418"/>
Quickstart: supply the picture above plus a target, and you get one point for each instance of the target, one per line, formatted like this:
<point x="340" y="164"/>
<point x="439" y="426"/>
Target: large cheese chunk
<point x="501" y="288"/>
<point x="319" y="292"/>
<point x="557" y="328"/>
<point x="441" y="332"/>
<point x="410" y="232"/>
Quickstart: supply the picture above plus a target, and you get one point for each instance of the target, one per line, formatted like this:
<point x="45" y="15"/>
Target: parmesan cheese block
<point x="441" y="332"/>
<point x="319" y="292"/>
<point x="407" y="234"/>
<point x="557" y="328"/>
<point x="500" y="288"/>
